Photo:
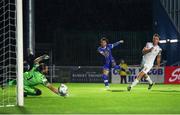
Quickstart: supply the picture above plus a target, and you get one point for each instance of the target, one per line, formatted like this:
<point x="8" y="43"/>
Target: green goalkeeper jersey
<point x="34" y="77"/>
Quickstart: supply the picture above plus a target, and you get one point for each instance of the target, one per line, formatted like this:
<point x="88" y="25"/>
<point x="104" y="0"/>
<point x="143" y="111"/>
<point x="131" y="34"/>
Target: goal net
<point x="9" y="69"/>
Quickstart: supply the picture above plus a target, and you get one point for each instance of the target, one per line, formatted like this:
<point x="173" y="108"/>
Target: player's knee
<point x="145" y="76"/>
<point x="105" y="72"/>
<point x="140" y="75"/>
<point x="38" y="92"/>
<point x="113" y="64"/>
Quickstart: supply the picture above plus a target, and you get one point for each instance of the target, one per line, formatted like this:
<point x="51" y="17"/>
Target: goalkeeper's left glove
<point x="45" y="57"/>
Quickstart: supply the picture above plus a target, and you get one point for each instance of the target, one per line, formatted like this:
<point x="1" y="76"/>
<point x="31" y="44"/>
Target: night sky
<point x="113" y="15"/>
<point x="72" y="28"/>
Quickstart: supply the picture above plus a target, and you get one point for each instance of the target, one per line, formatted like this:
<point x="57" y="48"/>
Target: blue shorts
<point x="109" y="65"/>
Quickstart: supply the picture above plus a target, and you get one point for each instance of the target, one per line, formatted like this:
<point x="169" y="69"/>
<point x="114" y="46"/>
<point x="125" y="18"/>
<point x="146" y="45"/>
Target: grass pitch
<point x="92" y="98"/>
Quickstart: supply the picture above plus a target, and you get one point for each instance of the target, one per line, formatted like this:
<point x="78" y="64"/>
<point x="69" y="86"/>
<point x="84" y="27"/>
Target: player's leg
<point x="141" y="74"/>
<point x="116" y="67"/>
<point x="125" y="79"/>
<point x="121" y="79"/>
<point x="105" y="74"/>
<point x="136" y="81"/>
<point x="149" y="80"/>
<point x="146" y="69"/>
<point x="31" y="91"/>
<point x="105" y="78"/>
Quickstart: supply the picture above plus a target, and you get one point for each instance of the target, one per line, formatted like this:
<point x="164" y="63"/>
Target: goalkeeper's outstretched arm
<point x="41" y="58"/>
<point x="52" y="88"/>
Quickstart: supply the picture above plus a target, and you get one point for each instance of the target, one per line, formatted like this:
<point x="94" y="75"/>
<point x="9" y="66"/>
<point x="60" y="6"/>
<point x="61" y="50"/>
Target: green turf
<point x="92" y="98"/>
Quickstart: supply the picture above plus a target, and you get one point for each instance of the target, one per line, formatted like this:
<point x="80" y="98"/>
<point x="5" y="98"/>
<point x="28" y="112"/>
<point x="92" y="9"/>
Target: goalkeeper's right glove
<point x="45" y="57"/>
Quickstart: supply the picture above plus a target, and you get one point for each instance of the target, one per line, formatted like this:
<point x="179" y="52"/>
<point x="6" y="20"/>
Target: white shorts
<point x="146" y="67"/>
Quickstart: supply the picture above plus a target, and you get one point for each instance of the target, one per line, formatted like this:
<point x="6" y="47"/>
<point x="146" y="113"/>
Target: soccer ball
<point x="63" y="90"/>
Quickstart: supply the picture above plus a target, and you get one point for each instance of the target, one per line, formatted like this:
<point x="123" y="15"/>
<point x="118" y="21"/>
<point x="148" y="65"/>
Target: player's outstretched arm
<point x="43" y="57"/>
<point x="117" y="43"/>
<point x="52" y="88"/>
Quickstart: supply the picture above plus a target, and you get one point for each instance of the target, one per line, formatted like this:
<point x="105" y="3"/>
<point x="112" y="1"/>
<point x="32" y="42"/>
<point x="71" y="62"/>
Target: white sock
<point x="134" y="83"/>
<point x="149" y="79"/>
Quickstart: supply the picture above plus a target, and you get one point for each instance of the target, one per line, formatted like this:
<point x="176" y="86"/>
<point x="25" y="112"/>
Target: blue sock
<point x="117" y="67"/>
<point x="105" y="78"/>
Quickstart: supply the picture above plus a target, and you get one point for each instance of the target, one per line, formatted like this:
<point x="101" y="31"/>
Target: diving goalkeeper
<point x="36" y="76"/>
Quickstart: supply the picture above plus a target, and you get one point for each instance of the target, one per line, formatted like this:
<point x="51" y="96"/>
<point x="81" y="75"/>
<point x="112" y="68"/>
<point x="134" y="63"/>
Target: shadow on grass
<point x="23" y="110"/>
<point x="32" y="97"/>
<point x="117" y="90"/>
<point x="175" y="91"/>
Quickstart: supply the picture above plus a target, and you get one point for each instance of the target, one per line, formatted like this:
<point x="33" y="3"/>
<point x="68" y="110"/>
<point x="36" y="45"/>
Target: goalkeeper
<point x="36" y="76"/>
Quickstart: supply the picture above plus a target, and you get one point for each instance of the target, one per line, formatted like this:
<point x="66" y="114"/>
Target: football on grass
<point x="63" y="90"/>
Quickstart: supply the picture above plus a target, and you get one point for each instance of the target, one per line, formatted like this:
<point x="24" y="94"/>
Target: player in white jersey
<point x="150" y="52"/>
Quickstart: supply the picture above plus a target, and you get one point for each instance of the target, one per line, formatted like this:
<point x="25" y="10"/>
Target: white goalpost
<point x="11" y="53"/>
<point x="19" y="38"/>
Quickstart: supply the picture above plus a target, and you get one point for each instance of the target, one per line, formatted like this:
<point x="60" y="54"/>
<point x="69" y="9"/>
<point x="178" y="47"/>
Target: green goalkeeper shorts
<point x="29" y="90"/>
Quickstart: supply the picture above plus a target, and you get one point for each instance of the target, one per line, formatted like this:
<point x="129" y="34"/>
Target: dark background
<point x="69" y="30"/>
